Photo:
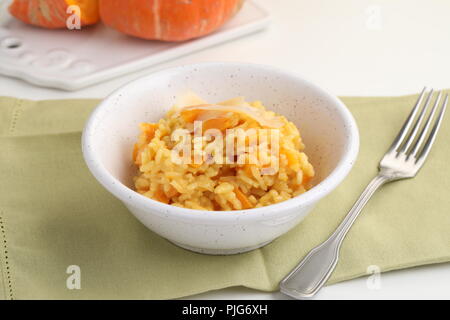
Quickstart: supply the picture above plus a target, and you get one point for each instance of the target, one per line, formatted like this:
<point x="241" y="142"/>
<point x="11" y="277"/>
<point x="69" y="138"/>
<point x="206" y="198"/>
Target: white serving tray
<point x="72" y="59"/>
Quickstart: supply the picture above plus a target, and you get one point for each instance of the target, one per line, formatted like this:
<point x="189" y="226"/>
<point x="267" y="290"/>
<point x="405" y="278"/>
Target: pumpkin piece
<point x="147" y="134"/>
<point x="306" y="180"/>
<point x="245" y="202"/>
<point x="172" y="192"/>
<point x="53" y="14"/>
<point x="161" y="196"/>
<point x="167" y="20"/>
<point x="149" y="130"/>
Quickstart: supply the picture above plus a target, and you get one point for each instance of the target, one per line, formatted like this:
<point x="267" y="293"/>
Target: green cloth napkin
<point x="54" y="214"/>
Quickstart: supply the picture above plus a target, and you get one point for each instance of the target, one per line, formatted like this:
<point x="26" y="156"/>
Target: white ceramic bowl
<point x="327" y="128"/>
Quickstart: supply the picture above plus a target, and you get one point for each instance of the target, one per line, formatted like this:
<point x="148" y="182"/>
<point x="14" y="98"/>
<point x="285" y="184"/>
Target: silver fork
<point x="403" y="160"/>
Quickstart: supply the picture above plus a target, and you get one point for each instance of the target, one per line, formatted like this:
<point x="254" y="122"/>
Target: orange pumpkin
<point x="53" y="14"/>
<point x="167" y="20"/>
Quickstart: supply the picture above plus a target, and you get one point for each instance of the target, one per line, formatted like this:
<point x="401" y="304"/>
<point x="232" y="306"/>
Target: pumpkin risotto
<point x="269" y="166"/>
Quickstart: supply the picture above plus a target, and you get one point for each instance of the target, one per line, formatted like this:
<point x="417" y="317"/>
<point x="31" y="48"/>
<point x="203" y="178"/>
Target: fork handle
<point x="314" y="270"/>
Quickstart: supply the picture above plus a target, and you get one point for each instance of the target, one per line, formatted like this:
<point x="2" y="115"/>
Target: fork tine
<point x="432" y="137"/>
<point x="404" y="130"/>
<point x="416" y="126"/>
<point x="426" y="127"/>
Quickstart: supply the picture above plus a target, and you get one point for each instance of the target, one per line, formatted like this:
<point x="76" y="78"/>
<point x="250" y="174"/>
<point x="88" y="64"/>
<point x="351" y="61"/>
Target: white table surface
<point x="351" y="47"/>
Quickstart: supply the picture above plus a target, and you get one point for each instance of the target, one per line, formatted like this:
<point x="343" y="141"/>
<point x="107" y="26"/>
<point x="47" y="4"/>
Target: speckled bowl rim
<point x="132" y="198"/>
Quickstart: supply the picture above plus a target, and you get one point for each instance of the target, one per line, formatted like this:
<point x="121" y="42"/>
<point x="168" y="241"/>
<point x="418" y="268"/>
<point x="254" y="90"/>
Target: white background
<point x="350" y="47"/>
